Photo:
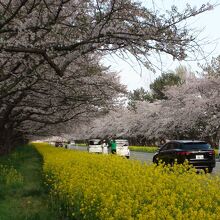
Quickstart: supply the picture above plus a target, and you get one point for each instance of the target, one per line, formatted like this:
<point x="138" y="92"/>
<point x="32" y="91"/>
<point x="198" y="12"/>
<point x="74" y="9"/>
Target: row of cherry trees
<point x="50" y="52"/>
<point x="191" y="110"/>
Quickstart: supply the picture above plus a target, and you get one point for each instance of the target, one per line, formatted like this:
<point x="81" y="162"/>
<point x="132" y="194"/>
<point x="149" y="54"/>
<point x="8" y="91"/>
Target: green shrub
<point x="143" y="149"/>
<point x="10" y="176"/>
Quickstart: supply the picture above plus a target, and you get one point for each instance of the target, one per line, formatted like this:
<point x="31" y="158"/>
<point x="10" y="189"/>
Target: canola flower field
<point x="88" y="186"/>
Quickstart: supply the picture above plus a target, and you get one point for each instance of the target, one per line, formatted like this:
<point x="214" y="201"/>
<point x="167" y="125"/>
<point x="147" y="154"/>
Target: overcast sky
<point x="135" y="76"/>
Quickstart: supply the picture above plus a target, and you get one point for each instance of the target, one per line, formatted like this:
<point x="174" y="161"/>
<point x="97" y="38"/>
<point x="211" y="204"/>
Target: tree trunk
<point x="9" y="139"/>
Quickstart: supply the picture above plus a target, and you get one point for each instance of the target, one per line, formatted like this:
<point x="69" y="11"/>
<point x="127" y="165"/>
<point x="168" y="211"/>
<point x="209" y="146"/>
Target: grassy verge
<point x="22" y="193"/>
<point x="82" y="145"/>
<point x="143" y="149"/>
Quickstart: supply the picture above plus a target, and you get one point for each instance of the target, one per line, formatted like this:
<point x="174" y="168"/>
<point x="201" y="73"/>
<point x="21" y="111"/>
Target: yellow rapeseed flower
<point x="88" y="186"/>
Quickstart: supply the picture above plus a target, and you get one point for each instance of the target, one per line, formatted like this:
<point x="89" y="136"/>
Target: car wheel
<point x="155" y="160"/>
<point x="210" y="169"/>
<point x="172" y="163"/>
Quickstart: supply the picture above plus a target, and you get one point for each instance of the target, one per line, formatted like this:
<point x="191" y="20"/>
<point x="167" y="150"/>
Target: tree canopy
<point x="190" y="111"/>
<point x="50" y="69"/>
<point x="162" y="82"/>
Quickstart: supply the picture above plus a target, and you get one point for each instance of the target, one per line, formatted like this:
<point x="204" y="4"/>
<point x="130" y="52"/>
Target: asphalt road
<point x="142" y="156"/>
<point x="147" y="157"/>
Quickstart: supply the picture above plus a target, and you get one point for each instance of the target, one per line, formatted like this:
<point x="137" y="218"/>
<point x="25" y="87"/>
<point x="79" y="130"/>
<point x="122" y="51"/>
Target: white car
<point x="95" y="146"/>
<point x="71" y="145"/>
<point x="122" y="148"/>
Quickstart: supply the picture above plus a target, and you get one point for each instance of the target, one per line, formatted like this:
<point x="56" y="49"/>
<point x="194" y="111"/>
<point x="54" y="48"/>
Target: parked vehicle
<point x="98" y="146"/>
<point x="58" y="144"/>
<point x="71" y="145"/>
<point x="95" y="146"/>
<point x="122" y="148"/>
<point x="198" y="153"/>
<point x="51" y="143"/>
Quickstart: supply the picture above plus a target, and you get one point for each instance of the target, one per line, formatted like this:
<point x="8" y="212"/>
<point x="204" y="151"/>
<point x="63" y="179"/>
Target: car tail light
<point x="211" y="152"/>
<point x="184" y="153"/>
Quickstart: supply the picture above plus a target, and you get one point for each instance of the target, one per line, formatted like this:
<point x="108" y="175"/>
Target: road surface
<point x="147" y="157"/>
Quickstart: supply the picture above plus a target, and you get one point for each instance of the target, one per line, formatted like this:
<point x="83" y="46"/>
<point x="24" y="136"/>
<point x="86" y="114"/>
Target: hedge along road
<point x="147" y="157"/>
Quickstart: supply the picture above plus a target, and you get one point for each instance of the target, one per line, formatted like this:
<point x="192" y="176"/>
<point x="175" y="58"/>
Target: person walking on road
<point x="104" y="147"/>
<point x="113" y="146"/>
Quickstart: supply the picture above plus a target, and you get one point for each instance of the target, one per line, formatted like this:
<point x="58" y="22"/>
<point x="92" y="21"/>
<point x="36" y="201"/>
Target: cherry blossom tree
<point x="191" y="111"/>
<point x="50" y="69"/>
<point x="58" y="32"/>
<point x="213" y="68"/>
<point x="34" y="104"/>
<point x="198" y="103"/>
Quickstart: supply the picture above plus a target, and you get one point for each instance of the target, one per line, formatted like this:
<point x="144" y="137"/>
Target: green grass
<point x="22" y="192"/>
<point x="143" y="149"/>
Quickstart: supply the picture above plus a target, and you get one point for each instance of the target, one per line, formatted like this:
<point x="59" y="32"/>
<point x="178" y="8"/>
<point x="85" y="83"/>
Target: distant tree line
<point x="187" y="108"/>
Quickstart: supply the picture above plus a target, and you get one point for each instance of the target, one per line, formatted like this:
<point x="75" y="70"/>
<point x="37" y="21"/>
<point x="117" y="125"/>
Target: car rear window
<point x="196" y="146"/>
<point x="122" y="143"/>
<point x="94" y="142"/>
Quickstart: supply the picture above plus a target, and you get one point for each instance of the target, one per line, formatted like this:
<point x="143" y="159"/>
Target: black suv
<point x="199" y="153"/>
